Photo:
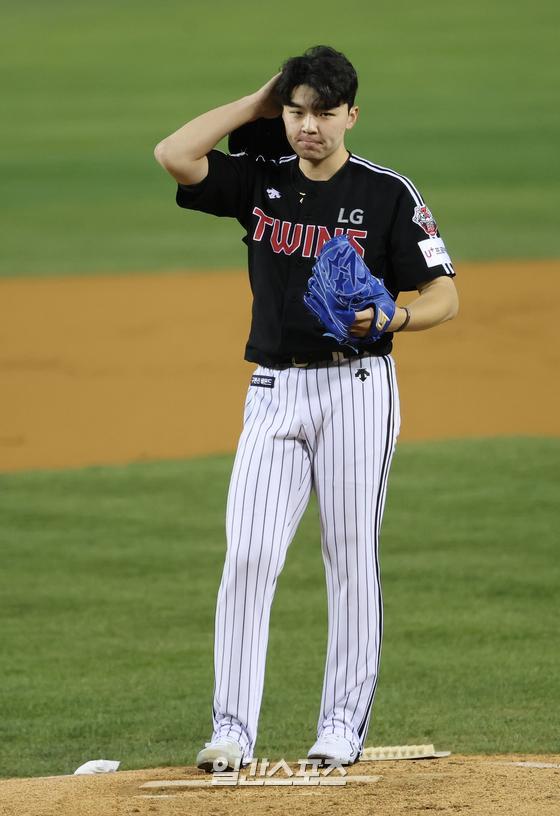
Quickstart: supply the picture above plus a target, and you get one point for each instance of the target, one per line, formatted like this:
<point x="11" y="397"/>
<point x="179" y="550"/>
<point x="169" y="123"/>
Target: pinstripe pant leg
<point x="269" y="491"/>
<point x="355" y="444"/>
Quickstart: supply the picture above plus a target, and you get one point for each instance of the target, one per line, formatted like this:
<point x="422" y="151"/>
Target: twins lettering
<point x="287" y="238"/>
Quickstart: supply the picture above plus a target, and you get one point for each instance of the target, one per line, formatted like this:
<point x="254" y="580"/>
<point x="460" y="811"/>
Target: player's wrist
<point x="249" y="108"/>
<point x="400" y="320"/>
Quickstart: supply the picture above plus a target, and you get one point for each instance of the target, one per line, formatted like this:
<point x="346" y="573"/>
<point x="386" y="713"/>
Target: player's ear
<point x="352" y="117"/>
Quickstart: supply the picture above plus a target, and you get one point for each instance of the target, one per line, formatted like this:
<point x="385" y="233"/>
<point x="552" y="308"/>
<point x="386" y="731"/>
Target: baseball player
<point x="321" y="413"/>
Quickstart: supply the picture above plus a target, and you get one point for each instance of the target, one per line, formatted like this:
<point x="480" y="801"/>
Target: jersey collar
<point x="311" y="187"/>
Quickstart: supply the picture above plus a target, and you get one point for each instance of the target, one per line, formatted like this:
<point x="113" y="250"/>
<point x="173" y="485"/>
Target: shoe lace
<point x="334" y="738"/>
<point x="221" y="741"/>
<point x="337" y="740"/>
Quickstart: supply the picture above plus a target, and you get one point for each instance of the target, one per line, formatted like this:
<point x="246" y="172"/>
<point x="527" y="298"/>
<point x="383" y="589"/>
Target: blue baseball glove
<point x="340" y="286"/>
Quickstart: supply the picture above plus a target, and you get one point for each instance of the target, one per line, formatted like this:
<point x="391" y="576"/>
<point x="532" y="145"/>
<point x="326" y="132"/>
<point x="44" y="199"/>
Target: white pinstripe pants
<point x="333" y="429"/>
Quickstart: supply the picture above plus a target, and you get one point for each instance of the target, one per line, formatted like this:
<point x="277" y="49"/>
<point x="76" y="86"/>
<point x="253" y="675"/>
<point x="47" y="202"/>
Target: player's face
<point x="316" y="134"/>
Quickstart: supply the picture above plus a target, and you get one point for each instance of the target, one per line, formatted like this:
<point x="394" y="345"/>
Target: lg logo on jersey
<point x="355" y="217"/>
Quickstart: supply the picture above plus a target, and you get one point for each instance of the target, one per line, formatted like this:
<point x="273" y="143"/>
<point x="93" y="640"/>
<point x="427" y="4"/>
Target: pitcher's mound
<point x="477" y="785"/>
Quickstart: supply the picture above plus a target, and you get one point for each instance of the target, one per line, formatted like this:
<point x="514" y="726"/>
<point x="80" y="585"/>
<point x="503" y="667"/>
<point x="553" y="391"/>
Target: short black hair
<point x="331" y="75"/>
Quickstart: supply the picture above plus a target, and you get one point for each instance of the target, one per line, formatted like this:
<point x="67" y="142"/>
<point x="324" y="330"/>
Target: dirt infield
<point x="118" y="369"/>
<point x="482" y="786"/>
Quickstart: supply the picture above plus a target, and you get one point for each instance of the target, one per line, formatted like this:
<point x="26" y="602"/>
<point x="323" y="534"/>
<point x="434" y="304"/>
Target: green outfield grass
<point x="108" y="585"/>
<point x="460" y="96"/>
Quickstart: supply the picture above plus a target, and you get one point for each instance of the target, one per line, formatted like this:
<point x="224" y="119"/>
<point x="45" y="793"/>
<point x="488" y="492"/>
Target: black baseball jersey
<point x="288" y="217"/>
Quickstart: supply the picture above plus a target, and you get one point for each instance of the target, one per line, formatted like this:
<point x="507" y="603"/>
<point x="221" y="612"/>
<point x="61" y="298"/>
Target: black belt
<point x="317" y="361"/>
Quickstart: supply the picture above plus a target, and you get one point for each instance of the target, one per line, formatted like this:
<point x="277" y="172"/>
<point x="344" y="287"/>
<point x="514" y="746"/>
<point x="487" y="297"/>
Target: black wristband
<point x="405" y="322"/>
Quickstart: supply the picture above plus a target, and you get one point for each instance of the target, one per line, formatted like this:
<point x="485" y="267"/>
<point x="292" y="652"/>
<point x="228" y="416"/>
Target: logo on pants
<point x="262" y="381"/>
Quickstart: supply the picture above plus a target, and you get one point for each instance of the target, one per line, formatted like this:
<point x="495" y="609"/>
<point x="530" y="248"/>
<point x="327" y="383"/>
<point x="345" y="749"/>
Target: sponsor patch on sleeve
<point x="434" y="252"/>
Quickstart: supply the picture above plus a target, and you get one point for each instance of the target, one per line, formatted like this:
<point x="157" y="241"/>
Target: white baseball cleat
<point x="223" y="754"/>
<point x="334" y="748"/>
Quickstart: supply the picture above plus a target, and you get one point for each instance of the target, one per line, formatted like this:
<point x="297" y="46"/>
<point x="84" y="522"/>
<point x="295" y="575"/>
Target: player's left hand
<point x="362" y="323"/>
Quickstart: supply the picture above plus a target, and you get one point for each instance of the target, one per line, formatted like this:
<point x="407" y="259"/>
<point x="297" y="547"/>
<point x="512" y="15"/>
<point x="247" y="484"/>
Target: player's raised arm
<point x="183" y="153"/>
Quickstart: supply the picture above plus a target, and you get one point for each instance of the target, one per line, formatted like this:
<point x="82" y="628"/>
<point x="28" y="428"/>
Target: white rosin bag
<point x="97" y="766"/>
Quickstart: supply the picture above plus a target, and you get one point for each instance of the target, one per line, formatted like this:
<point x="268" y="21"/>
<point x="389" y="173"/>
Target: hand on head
<point x="268" y="106"/>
